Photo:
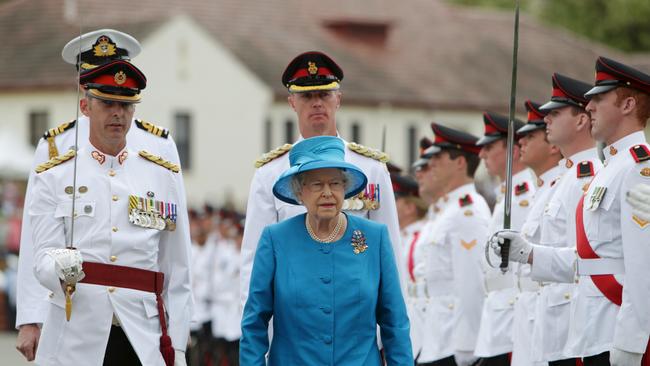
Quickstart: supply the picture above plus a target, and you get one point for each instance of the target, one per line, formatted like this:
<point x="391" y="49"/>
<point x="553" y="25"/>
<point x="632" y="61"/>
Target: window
<point x="356" y="132"/>
<point x="268" y="135"/>
<point x="182" y="136"/>
<point x="413" y="146"/>
<point x="37" y="125"/>
<point x="289" y="132"/>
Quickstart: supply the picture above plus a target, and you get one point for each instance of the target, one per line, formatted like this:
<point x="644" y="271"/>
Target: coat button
<point x="450" y="306"/>
<point x="113" y="258"/>
<point x="326" y="309"/>
<point x="115" y="198"/>
<point x="51" y="295"/>
<point x="327" y="339"/>
<point x="326" y="279"/>
<point x="567" y="296"/>
<point x="511" y="302"/>
<point x="114" y="229"/>
<point x="111" y="173"/>
<point x="111" y="289"/>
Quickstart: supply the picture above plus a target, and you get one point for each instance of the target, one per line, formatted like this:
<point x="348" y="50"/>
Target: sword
<point x="505" y="247"/>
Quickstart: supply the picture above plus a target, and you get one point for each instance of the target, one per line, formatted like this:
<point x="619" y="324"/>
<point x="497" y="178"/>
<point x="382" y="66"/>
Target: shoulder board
<point x="160" y="161"/>
<point x="640" y="153"/>
<point x="273" y="154"/>
<point x="521" y="188"/>
<point x="151" y="128"/>
<point x="59" y="129"/>
<point x="465" y="200"/>
<point x="368" y="152"/>
<point x="57" y="160"/>
<point x="585" y="169"/>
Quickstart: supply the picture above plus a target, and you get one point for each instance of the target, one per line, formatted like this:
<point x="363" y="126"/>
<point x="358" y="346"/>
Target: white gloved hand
<point x="67" y="264"/>
<point x="179" y="358"/>
<point x="618" y="357"/>
<point x="639" y="198"/>
<point x="465" y="358"/>
<point x="520" y="248"/>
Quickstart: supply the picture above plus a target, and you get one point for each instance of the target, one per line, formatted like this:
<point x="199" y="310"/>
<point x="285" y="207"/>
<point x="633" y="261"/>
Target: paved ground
<point x="8" y="354"/>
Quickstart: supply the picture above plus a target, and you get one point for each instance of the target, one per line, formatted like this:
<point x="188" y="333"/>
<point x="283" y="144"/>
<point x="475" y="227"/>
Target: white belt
<point x="527" y="284"/>
<point x="600" y="266"/>
<point x="499" y="282"/>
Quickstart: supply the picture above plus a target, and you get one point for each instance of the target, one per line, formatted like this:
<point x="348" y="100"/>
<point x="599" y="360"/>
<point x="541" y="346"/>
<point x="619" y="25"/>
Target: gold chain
<point x="330" y="238"/>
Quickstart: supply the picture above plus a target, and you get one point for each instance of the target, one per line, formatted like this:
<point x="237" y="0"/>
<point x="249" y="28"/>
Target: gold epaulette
<point x="49" y="135"/>
<point x="151" y="128"/>
<point x="160" y="161"/>
<point x="55" y="161"/>
<point x="369" y="152"/>
<point x="275" y="153"/>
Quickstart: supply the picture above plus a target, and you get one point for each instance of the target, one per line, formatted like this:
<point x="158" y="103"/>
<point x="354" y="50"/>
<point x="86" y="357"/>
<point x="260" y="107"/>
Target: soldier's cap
<point x="535" y="118"/>
<point x="496" y="128"/>
<point x="450" y="139"/>
<point x="312" y="71"/>
<point x="392" y="168"/>
<point x="98" y="47"/>
<point x="567" y="92"/>
<point x="612" y="74"/>
<point x="119" y="81"/>
<point x="404" y="186"/>
<point x="425" y="143"/>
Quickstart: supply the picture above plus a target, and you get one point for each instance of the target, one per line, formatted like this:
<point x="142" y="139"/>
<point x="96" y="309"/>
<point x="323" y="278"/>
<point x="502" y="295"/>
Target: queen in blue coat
<point x="326" y="278"/>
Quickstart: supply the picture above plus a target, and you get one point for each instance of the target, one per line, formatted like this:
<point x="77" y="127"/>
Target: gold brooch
<point x="358" y="242"/>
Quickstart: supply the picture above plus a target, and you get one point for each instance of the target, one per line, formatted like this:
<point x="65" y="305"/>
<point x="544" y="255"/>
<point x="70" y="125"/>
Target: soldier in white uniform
<point x="495" y="334"/>
<point x="447" y="256"/>
<point x="313" y="81"/>
<point x="122" y="295"/>
<point x="542" y="157"/>
<point x="569" y="127"/>
<point x="610" y="321"/>
<point x="31" y="299"/>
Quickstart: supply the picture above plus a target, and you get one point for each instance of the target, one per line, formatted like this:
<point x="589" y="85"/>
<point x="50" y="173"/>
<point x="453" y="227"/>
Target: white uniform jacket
<point x="524" y="310"/>
<point x="451" y="278"/>
<point x="203" y="266"/>
<point x="104" y="234"/>
<point x="597" y="324"/>
<point x="410" y="235"/>
<point x="31" y="301"/>
<point x="226" y="307"/>
<point x="558" y="231"/>
<point x="495" y="334"/>
<point x="264" y="209"/>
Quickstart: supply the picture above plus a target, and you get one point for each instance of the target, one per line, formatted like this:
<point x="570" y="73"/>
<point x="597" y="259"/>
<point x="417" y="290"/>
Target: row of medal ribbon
<point x="150" y="214"/>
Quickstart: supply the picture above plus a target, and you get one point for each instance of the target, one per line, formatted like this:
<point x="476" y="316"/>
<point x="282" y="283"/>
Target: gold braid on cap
<point x="275" y="153"/>
<point x="160" y="161"/>
<point x="55" y="161"/>
<point x="368" y="152"/>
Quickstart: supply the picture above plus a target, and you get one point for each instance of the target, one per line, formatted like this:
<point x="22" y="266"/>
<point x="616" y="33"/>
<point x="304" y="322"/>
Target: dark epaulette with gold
<point x="160" y="161"/>
<point x="521" y="188"/>
<point x="585" y="169"/>
<point x="640" y="153"/>
<point x="57" y="160"/>
<point x="273" y="154"/>
<point x="151" y="128"/>
<point x="368" y="152"/>
<point x="465" y="200"/>
<point x="49" y="135"/>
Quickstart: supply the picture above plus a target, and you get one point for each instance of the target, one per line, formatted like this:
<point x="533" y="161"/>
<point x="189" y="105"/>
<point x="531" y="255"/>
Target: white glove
<point x="618" y="357"/>
<point x="464" y="358"/>
<point x="639" y="198"/>
<point x="520" y="248"/>
<point x="179" y="358"/>
<point x="67" y="264"/>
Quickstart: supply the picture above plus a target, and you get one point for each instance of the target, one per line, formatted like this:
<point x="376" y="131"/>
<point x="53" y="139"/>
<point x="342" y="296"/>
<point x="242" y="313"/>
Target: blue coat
<point x="325" y="300"/>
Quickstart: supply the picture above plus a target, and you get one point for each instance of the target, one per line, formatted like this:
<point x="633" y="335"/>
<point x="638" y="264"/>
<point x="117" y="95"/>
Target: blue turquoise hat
<point x="319" y="152"/>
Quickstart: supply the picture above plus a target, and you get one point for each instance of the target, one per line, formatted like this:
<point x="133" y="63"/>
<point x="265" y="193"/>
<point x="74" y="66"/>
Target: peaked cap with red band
<point x="425" y="143"/>
<point x="404" y="186"/>
<point x="496" y="128"/>
<point x="535" y="118"/>
<point x="449" y="138"/>
<point x="567" y="92"/>
<point x="312" y="71"/>
<point x="611" y="74"/>
<point x="118" y="81"/>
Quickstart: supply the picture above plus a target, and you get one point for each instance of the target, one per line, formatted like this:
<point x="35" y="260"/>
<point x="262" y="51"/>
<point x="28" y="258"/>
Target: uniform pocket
<point x="82" y="209"/>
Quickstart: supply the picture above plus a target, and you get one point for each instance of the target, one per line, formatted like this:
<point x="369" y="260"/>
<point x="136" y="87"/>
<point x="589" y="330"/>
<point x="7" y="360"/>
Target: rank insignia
<point x="365" y="200"/>
<point x="640" y="153"/>
<point x="104" y="47"/>
<point x="468" y="213"/>
<point x="468" y="245"/>
<point x="521" y="188"/>
<point x="120" y="77"/>
<point x="645" y="172"/>
<point x="358" y="242"/>
<point x="312" y="69"/>
<point x="151" y="214"/>
<point x="585" y="169"/>
<point x="596" y="197"/>
<point x="642" y="223"/>
<point x="524" y="203"/>
<point x="465" y="201"/>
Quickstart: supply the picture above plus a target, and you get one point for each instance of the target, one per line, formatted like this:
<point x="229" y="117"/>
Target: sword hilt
<point x="505" y="254"/>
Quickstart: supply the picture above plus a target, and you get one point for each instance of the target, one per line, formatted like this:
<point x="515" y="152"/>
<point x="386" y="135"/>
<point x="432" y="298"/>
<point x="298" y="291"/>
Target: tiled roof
<point x="434" y="55"/>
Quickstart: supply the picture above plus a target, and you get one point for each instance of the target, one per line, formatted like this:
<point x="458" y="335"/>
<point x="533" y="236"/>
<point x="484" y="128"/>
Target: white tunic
<point x="226" y="307"/>
<point x="410" y="234"/>
<point x="597" y="324"/>
<point x="104" y="234"/>
<point x="203" y="265"/>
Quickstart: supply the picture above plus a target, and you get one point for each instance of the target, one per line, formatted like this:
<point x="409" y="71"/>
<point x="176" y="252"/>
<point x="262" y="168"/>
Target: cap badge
<point x="120" y="77"/>
<point x="312" y="69"/>
<point x="104" y="47"/>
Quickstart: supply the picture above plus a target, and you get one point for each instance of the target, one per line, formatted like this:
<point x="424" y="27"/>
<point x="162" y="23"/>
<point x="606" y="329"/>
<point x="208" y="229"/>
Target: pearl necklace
<point x="330" y="238"/>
